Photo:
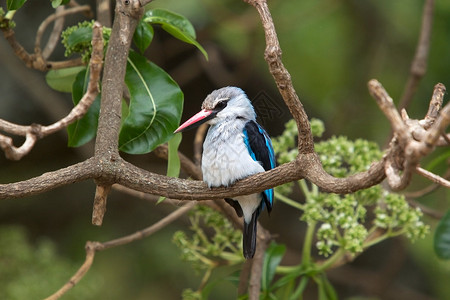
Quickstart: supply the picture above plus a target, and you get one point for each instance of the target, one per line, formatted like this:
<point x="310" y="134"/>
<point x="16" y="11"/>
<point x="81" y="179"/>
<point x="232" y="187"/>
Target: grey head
<point x="229" y="103"/>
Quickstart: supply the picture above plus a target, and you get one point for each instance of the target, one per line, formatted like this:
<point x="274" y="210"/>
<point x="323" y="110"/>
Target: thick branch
<point x="257" y="264"/>
<point x="49" y="181"/>
<point x="127" y="16"/>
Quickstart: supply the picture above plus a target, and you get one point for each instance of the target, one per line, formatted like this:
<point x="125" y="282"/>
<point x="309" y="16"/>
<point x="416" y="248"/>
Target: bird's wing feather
<point x="260" y="149"/>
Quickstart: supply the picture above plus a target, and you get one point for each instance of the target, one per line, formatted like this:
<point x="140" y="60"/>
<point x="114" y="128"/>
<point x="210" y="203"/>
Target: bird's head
<point x="222" y="104"/>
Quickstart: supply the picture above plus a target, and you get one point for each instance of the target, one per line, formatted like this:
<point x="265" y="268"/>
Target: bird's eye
<point x="221" y="105"/>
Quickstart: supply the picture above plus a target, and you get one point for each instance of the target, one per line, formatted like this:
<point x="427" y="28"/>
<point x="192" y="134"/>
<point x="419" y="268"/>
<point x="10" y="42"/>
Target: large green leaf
<point x="83" y="130"/>
<point x="14" y="4"/>
<point x="155" y="106"/>
<point x="175" y="24"/>
<point x="272" y="259"/>
<point x="143" y="36"/>
<point x="442" y="237"/>
<point x="62" y="80"/>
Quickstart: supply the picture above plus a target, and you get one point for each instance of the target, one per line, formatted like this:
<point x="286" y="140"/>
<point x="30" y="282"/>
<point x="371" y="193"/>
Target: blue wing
<point x="260" y="149"/>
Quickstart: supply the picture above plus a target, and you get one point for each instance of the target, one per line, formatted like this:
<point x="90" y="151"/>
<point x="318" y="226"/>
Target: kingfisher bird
<point x="235" y="147"/>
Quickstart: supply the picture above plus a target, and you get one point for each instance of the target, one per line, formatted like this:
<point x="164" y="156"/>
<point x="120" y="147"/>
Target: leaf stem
<point x="304" y="187"/>
<point x="306" y="255"/>
<point x="288" y="201"/>
<point x="332" y="260"/>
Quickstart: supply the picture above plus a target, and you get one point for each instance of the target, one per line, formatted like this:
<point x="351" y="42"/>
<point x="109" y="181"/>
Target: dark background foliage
<point x="331" y="48"/>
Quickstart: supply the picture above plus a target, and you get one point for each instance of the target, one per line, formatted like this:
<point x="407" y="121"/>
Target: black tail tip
<point x="249" y="237"/>
<point x="249" y="253"/>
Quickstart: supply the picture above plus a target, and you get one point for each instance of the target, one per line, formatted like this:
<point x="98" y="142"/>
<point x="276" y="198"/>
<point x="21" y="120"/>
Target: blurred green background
<point x="330" y="47"/>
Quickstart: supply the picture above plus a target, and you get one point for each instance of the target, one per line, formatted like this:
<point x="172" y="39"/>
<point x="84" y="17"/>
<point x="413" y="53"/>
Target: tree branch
<point x="406" y="151"/>
<point x="36" y="60"/>
<point x="104" y="12"/>
<point x="93" y="247"/>
<point x="51" y="180"/>
<point x="38" y="57"/>
<point x="433" y="177"/>
<point x="127" y="15"/>
<point x="257" y="263"/>
<point x="36" y="131"/>
<point x="282" y="77"/>
<point x="90" y="254"/>
<point x="419" y="63"/>
<point x="53" y="40"/>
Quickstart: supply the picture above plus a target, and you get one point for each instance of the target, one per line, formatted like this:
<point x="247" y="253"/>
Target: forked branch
<point x="35" y="131"/>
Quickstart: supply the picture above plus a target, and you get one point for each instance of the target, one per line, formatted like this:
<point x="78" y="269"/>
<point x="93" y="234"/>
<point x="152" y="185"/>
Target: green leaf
<point x="125" y="111"/>
<point x="62" y="80"/>
<point x="173" y="164"/>
<point x="14" y="4"/>
<point x="272" y="259"/>
<point x="155" y="106"/>
<point x="85" y="129"/>
<point x="56" y="3"/>
<point x="173" y="161"/>
<point x="79" y="36"/>
<point x="176" y="25"/>
<point x="442" y="237"/>
<point x="143" y="36"/>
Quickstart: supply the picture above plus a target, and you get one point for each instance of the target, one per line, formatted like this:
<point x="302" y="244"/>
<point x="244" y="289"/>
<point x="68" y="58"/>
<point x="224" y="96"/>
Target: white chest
<point x="225" y="156"/>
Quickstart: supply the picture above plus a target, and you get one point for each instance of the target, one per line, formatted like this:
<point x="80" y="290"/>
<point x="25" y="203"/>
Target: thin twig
<point x="433" y="177"/>
<point x="419" y="63"/>
<point x="104" y="12"/>
<point x="99" y="209"/>
<point x="90" y="254"/>
<point x="149" y="230"/>
<point x="59" y="14"/>
<point x="36" y="131"/>
<point x="53" y="40"/>
<point x="88" y="13"/>
<point x="36" y="60"/>
<point x="435" y="106"/>
<point x="426" y="210"/>
<point x="422" y="192"/>
<point x="93" y="247"/>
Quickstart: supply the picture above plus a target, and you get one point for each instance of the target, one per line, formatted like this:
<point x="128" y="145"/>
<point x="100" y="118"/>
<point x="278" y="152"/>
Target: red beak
<point x="198" y="119"/>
